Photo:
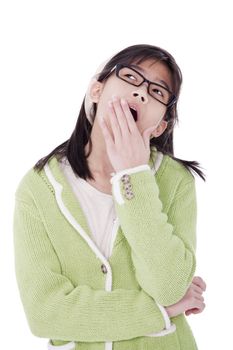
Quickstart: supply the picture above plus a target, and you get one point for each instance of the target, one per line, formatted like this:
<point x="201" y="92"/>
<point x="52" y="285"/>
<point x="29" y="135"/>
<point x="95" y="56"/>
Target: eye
<point x="130" y="76"/>
<point x="158" y="91"/>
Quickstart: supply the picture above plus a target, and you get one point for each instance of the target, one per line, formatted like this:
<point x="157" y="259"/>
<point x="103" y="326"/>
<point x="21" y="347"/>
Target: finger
<point x="130" y="120"/>
<point x="192" y="311"/>
<point x="199" y="297"/>
<point x="197" y="289"/>
<point x="122" y="121"/>
<point x="200" y="305"/>
<point x="146" y="137"/>
<point x="196" y="311"/>
<point x="114" y="123"/>
<point x="107" y="136"/>
<point x="200" y="282"/>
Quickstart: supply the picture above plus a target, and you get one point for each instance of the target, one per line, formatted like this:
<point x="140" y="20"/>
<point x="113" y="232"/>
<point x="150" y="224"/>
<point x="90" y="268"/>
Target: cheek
<point x="106" y="96"/>
<point x="103" y="102"/>
<point x="115" y="87"/>
<point x="103" y="109"/>
<point x="157" y="113"/>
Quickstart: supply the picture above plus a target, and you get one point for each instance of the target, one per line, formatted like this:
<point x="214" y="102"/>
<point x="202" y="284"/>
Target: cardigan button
<point x="103" y="268"/>
<point x="129" y="195"/>
<point x="125" y="178"/>
<point x="128" y="186"/>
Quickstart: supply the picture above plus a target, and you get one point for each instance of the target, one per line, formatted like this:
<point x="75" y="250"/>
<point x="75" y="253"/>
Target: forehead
<point x="154" y="70"/>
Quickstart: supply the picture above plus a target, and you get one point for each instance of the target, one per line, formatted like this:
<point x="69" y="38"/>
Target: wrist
<point x="169" y="310"/>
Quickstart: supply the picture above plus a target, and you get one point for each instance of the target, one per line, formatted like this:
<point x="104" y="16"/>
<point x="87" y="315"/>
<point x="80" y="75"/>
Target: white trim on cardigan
<point x="165" y="315"/>
<point x="164" y="332"/>
<point x="58" y="195"/>
<point x="68" y="346"/>
<point x="115" y="179"/>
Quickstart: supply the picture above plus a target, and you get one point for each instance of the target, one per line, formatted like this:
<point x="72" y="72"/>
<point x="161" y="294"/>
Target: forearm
<point x="163" y="252"/>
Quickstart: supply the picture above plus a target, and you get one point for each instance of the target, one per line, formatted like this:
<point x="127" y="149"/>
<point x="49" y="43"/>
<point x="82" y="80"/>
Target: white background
<point x="49" y="51"/>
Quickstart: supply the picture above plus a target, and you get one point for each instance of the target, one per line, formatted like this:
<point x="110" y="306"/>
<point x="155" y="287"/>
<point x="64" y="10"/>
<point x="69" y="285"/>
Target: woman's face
<point x="150" y="110"/>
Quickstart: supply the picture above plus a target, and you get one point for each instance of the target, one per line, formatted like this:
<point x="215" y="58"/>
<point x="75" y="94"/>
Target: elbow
<point x="171" y="297"/>
<point x="175" y="286"/>
<point x="38" y="325"/>
<point x="41" y="318"/>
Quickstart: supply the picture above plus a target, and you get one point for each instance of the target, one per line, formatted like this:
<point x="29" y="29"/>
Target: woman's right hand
<point x="192" y="302"/>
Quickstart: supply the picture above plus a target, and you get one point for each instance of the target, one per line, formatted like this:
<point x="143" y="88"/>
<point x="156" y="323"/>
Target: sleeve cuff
<point x="116" y="183"/>
<point x="164" y="332"/>
<point x="165" y="316"/>
<point x="116" y="176"/>
<point x="67" y="346"/>
<point x="169" y="327"/>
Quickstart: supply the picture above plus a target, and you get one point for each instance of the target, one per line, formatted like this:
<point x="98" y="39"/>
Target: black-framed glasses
<point x="155" y="90"/>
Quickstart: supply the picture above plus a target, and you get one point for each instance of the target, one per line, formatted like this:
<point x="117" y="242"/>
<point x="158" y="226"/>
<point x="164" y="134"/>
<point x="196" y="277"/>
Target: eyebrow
<point x="143" y="71"/>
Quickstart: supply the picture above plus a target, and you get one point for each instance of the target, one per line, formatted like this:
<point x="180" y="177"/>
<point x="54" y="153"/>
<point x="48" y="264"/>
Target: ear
<point x="96" y="90"/>
<point x="160" y="129"/>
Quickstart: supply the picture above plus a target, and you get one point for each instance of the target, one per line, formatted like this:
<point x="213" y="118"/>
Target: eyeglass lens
<point x="156" y="91"/>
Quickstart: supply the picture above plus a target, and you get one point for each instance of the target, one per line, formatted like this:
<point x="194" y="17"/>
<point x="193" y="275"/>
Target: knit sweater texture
<point x="79" y="299"/>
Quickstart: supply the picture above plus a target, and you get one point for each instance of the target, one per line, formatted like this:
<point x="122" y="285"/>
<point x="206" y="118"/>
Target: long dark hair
<point x="74" y="147"/>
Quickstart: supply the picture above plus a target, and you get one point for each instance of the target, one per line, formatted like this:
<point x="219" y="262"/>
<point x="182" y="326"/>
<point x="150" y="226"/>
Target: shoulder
<point x="23" y="186"/>
<point x="173" y="179"/>
<point x="28" y="187"/>
<point x="175" y="170"/>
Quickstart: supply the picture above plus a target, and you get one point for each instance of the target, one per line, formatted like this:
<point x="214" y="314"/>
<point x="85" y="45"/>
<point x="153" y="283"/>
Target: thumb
<point x="146" y="136"/>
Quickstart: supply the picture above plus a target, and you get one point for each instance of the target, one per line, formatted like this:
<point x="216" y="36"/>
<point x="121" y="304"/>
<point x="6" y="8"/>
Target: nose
<point x="141" y="95"/>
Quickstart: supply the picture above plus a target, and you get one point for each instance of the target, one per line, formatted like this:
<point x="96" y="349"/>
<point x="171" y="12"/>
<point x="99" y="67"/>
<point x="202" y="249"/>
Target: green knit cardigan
<point x="77" y="298"/>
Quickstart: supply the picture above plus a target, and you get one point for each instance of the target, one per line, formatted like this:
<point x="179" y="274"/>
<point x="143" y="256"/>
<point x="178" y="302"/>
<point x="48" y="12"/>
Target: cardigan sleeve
<point x="162" y="245"/>
<point x="57" y="309"/>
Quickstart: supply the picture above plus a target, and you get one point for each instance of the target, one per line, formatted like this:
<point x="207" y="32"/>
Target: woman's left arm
<point x="162" y="246"/>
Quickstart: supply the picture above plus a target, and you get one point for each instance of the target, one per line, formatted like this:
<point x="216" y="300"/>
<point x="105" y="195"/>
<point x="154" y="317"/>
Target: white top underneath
<point x="97" y="206"/>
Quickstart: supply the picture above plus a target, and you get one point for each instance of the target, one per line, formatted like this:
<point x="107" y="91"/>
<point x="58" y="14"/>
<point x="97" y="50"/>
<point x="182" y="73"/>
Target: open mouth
<point x="134" y="113"/>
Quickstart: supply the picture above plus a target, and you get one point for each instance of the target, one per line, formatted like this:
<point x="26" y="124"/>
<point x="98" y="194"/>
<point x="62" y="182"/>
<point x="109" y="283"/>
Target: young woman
<point x="105" y="225"/>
